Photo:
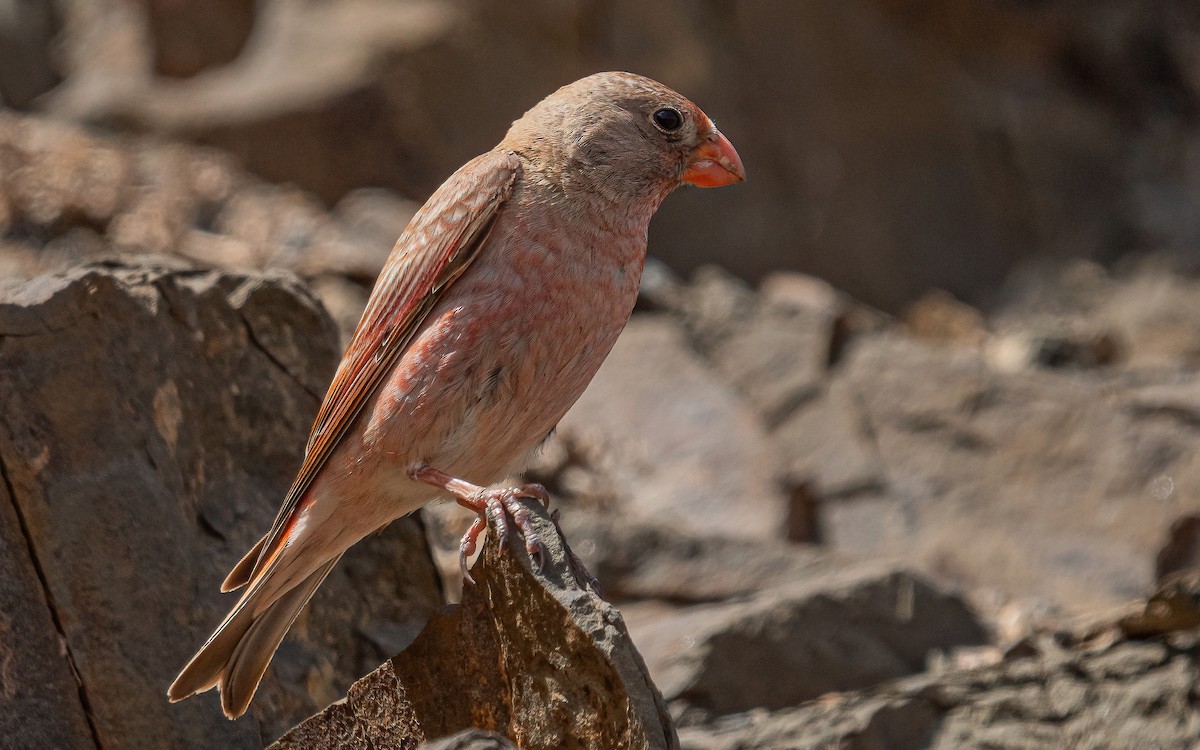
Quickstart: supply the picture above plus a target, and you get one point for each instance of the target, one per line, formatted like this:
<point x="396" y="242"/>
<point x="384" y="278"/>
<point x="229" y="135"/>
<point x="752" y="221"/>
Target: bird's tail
<point x="235" y="657"/>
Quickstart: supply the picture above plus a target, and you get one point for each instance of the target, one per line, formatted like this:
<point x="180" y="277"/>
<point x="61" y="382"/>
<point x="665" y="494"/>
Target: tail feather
<point x="248" y="662"/>
<point x="236" y="656"/>
<point x="244" y="570"/>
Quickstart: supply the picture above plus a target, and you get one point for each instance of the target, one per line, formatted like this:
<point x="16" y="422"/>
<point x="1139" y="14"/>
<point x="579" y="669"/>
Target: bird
<point x="497" y="305"/>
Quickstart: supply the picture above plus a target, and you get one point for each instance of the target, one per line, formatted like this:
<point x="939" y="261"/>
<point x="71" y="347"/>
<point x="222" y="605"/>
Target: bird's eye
<point x="668" y="119"/>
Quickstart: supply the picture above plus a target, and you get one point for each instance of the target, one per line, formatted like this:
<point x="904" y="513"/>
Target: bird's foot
<point x="497" y="504"/>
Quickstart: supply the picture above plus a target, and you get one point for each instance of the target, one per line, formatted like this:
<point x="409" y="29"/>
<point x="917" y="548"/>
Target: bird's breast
<point x="511" y="347"/>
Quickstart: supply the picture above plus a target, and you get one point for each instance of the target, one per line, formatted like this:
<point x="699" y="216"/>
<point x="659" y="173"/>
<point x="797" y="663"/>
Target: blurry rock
<point x="345" y="301"/>
<point x="652" y="560"/>
<point x="827" y="445"/>
<point x="1128" y="695"/>
<point x="373" y="220"/>
<point x="68" y="196"/>
<point x="1150" y="311"/>
<point x="1054" y="347"/>
<point x="773" y="348"/>
<point x="938" y="316"/>
<point x="189" y="37"/>
<point x="310" y="74"/>
<point x="1174" y="606"/>
<point x="470" y="739"/>
<point x="27" y="69"/>
<point x="1048" y="484"/>
<point x="847" y="629"/>
<point x="679" y="443"/>
<point x="528" y="654"/>
<point x="1182" y="550"/>
<point x="153" y="419"/>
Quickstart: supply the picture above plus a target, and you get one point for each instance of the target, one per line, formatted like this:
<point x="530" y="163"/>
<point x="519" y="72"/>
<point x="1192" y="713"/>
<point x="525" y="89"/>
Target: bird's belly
<point x="496" y="367"/>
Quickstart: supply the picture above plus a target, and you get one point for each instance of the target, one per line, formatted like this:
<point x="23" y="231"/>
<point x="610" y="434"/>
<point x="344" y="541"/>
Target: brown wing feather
<point x="440" y="242"/>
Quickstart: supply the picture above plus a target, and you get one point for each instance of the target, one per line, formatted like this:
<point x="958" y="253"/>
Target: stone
<point x="1182" y="549"/>
<point x="154" y="418"/>
<point x="470" y="739"/>
<point x="649" y="560"/>
<point x="678" y="443"/>
<point x="37" y="671"/>
<point x="849" y="628"/>
<point x="1076" y="699"/>
<point x="1055" y="485"/>
<point x="530" y="654"/>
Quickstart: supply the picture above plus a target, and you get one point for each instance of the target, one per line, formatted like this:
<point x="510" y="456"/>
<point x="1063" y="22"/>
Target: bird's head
<point x="625" y="138"/>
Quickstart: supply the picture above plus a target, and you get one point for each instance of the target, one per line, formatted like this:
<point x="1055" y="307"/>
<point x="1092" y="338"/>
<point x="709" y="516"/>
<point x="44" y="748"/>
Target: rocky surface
<point x="1130" y="694"/>
<point x="969" y="484"/>
<point x="529" y="653"/>
<point x="153" y="418"/>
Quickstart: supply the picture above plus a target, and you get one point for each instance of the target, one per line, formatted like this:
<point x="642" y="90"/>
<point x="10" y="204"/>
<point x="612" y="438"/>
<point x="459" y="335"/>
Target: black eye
<point x="668" y="119"/>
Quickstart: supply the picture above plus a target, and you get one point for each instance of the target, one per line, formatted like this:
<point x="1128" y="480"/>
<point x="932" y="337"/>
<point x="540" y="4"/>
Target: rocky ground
<point x="816" y="524"/>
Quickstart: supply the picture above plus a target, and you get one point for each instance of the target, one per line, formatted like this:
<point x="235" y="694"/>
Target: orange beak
<point x="715" y="163"/>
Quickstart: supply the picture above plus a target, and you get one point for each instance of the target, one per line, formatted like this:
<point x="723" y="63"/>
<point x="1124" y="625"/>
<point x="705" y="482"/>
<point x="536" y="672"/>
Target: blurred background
<point x="894" y="145"/>
<point x="946" y="337"/>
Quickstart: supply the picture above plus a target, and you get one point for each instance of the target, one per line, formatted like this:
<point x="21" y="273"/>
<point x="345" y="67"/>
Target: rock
<point x="1182" y="550"/>
<point x="774" y="347"/>
<point x="27" y="69"/>
<point x="1174" y="606"/>
<point x="1128" y="695"/>
<point x="470" y="739"/>
<point x="827" y="446"/>
<point x="640" y="560"/>
<point x="37" y="679"/>
<point x="154" y="417"/>
<point x="847" y="629"/>
<point x="69" y="196"/>
<point x="938" y="316"/>
<point x="191" y="37"/>
<point x="529" y="654"/>
<point x="1144" y="316"/>
<point x="678" y="443"/>
<point x="1056" y="485"/>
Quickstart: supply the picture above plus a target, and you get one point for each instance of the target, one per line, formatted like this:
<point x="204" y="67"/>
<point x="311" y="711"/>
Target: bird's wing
<point x="437" y="246"/>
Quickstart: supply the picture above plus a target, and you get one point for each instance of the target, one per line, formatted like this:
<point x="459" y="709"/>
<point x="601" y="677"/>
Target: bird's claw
<point x="496" y="507"/>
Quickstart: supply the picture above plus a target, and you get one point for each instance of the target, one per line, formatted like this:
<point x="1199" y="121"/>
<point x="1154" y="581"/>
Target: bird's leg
<point x="497" y="504"/>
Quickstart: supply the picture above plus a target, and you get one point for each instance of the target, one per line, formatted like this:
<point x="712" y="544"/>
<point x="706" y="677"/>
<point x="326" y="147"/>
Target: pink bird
<point x="496" y="307"/>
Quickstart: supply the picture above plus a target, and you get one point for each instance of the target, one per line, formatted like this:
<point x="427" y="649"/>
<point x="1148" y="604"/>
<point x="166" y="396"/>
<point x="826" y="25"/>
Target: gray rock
<point x="846" y="629"/>
<point x="1128" y="695"/>
<point x="678" y="443"/>
<point x="1052" y="484"/>
<point x="152" y="420"/>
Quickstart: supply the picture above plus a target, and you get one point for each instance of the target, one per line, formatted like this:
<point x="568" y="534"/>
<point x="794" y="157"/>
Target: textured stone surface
<point x="678" y="441"/>
<point x="36" y="676"/>
<point x="1131" y="694"/>
<point x="153" y="419"/>
<point x="530" y="655"/>
<point x="846" y="629"/>
<point x="1056" y="484"/>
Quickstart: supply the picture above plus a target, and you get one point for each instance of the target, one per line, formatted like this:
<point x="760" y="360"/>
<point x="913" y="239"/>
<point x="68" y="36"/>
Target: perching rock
<point x="530" y="655"/>
<point x="151" y="420"/>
